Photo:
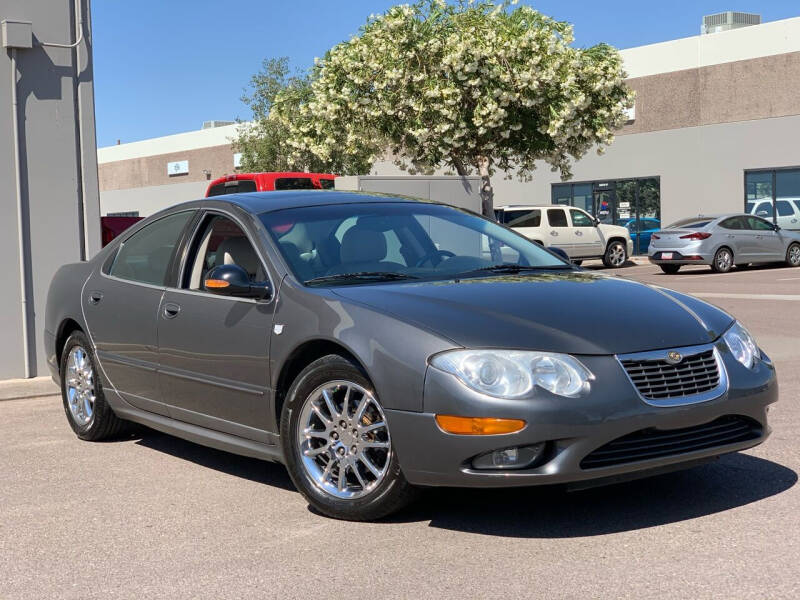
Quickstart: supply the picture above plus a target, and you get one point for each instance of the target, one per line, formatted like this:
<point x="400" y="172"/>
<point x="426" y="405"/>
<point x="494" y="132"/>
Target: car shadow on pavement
<point x="734" y="480"/>
<point x="252" y="469"/>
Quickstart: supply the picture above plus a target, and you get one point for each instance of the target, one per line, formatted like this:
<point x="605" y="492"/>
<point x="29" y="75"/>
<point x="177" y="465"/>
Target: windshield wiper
<point x="514" y="268"/>
<point x="361" y="276"/>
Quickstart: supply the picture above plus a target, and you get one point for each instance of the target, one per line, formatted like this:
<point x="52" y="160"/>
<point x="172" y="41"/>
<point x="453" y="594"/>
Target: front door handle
<point x="95" y="297"/>
<point x="578" y="233"/>
<point x="171" y="310"/>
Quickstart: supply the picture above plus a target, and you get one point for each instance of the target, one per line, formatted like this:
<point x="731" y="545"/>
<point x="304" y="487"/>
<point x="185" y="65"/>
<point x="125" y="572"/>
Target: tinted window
<point x="759" y="224"/>
<point x="784" y="208"/>
<point x="733" y="223"/>
<point x="327" y="184"/>
<point x="581" y="219"/>
<point x="557" y="217"/>
<point x="689" y="224"/>
<point x="145" y="256"/>
<point x="238" y="186"/>
<point x="294" y="183"/>
<point x="522" y="218"/>
<point x="762" y="209"/>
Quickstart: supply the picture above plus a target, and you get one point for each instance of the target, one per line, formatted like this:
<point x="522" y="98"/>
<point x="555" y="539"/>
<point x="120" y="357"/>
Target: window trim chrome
<point x="718" y="391"/>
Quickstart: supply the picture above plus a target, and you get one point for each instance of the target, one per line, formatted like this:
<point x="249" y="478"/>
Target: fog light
<point x="510" y="458"/>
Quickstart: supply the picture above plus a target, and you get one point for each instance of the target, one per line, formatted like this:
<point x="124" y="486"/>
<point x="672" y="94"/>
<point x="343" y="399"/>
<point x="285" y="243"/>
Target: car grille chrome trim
<point x="698" y="376"/>
<point x="648" y="444"/>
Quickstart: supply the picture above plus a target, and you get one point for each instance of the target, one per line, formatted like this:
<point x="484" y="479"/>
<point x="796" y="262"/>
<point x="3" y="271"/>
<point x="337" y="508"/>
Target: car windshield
<point x="389" y="241"/>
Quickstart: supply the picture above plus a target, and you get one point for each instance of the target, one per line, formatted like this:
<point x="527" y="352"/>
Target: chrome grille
<point x="658" y="379"/>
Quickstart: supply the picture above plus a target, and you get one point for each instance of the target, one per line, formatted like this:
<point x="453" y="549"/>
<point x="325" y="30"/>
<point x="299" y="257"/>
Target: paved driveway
<point x="156" y="517"/>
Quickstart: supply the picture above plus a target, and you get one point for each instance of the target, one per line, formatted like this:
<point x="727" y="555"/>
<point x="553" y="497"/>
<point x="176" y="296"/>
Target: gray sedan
<point x="722" y="242"/>
<point x="376" y="345"/>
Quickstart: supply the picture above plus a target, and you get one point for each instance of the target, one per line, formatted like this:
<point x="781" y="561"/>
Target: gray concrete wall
<point x="464" y="192"/>
<point x="701" y="168"/>
<point x="58" y="168"/>
<point x="150" y="199"/>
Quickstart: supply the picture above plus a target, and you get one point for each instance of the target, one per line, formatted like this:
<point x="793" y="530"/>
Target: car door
<point x="767" y="243"/>
<point x="121" y="302"/>
<point x="787" y="217"/>
<point x="558" y="232"/>
<point x="213" y="350"/>
<point x="736" y="234"/>
<point x="588" y="241"/>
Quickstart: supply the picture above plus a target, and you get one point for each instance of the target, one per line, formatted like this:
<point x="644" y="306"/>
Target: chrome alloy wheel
<point x="343" y="439"/>
<point x="724" y="260"/>
<point x="616" y="254"/>
<point x="794" y="255"/>
<point x="81" y="393"/>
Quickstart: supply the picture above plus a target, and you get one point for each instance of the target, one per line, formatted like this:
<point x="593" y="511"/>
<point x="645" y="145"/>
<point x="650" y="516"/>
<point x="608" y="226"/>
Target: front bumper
<point x="572" y="427"/>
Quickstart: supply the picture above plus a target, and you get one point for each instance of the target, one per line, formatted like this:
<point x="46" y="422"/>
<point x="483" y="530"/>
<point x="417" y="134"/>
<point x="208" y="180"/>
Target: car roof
<point x="531" y="206"/>
<point x="261" y="202"/>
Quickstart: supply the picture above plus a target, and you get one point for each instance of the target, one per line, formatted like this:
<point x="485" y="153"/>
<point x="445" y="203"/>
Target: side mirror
<point x="559" y="252"/>
<point x="777" y="227"/>
<point x="232" y="280"/>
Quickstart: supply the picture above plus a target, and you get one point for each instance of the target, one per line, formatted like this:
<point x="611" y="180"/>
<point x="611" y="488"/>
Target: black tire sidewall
<point x="788" y="251"/>
<point x="716" y="254"/>
<point x="386" y="498"/>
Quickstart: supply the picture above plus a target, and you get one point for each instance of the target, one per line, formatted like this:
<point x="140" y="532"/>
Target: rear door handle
<point x="171" y="310"/>
<point x="554" y="232"/>
<point x="95" y="297"/>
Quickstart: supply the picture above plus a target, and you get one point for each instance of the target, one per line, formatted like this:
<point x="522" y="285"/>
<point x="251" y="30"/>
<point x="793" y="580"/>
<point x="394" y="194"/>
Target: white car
<point x="788" y="211"/>
<point x="571" y="229"/>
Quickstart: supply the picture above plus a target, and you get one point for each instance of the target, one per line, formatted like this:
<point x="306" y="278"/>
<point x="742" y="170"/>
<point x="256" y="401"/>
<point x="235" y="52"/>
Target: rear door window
<point x="145" y="256"/>
<point x="237" y="186"/>
<point x="557" y="217"/>
<point x="294" y="183"/>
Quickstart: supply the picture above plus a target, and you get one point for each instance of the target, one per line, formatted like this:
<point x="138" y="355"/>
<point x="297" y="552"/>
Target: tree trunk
<point x="487" y="191"/>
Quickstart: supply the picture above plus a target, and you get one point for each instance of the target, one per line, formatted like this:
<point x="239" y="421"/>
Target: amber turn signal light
<point x="478" y="425"/>
<point x="216" y="283"/>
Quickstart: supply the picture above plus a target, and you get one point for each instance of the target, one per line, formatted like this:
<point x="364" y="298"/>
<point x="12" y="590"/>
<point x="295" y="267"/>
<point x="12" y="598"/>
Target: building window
<point x="774" y="194"/>
<point x="632" y="203"/>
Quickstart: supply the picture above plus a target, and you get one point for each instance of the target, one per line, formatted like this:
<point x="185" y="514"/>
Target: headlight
<point x="742" y="345"/>
<point x="514" y="373"/>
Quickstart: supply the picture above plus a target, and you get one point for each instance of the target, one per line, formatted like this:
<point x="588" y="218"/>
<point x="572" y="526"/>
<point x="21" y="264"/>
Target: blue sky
<point x="165" y="66"/>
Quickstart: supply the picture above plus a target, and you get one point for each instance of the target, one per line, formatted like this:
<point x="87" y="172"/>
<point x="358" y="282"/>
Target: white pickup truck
<point x="573" y="230"/>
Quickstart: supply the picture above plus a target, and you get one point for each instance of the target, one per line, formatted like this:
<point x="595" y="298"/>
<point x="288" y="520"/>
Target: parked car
<point x="722" y="242"/>
<point x="573" y="230"/>
<point x="788" y="211"/>
<point x="268" y="182"/>
<point x="111" y="227"/>
<point x="365" y="342"/>
<point x="641" y="230"/>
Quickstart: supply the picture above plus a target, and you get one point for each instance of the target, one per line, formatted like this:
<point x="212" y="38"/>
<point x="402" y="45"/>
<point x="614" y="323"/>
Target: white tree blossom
<point x="472" y="85"/>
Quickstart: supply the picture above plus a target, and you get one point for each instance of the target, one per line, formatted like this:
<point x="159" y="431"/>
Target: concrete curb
<point x="17" y="389"/>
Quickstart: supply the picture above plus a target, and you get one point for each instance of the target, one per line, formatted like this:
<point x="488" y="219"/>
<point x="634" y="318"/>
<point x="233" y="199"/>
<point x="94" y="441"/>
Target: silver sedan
<point x="723" y="241"/>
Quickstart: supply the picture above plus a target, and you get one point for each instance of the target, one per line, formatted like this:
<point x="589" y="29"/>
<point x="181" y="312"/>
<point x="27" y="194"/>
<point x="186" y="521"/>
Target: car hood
<point x="574" y="312"/>
<point x="610" y="230"/>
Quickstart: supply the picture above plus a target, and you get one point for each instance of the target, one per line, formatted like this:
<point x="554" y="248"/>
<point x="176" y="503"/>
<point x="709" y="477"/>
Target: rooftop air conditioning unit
<point x="726" y="21"/>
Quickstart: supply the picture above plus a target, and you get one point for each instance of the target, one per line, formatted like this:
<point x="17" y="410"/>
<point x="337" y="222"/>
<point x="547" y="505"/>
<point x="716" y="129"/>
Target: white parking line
<point x="790" y="279"/>
<point x="789" y="297"/>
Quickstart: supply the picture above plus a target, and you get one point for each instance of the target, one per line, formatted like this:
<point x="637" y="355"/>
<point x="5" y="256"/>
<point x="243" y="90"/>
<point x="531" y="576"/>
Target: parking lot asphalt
<point x="153" y="516"/>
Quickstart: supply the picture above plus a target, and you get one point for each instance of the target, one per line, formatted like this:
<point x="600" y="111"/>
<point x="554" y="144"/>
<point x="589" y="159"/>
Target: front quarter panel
<point x="393" y="353"/>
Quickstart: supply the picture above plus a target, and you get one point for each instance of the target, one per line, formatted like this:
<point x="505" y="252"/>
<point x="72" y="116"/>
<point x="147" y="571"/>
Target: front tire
<point x="616" y="255"/>
<point x="723" y="261"/>
<point x="793" y="255"/>
<point x="88" y="413"/>
<point x="670" y="269"/>
<point x="337" y="445"/>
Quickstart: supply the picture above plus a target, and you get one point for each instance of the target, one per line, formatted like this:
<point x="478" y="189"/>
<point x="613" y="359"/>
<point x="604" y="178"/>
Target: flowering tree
<point x="467" y="86"/>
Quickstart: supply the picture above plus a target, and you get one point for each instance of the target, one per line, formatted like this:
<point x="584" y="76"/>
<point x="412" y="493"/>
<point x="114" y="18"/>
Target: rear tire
<point x="327" y="394"/>
<point x="723" y="261"/>
<point x="616" y="255"/>
<point x="88" y="412"/>
<point x="670" y="269"/>
<point x="793" y="255"/>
